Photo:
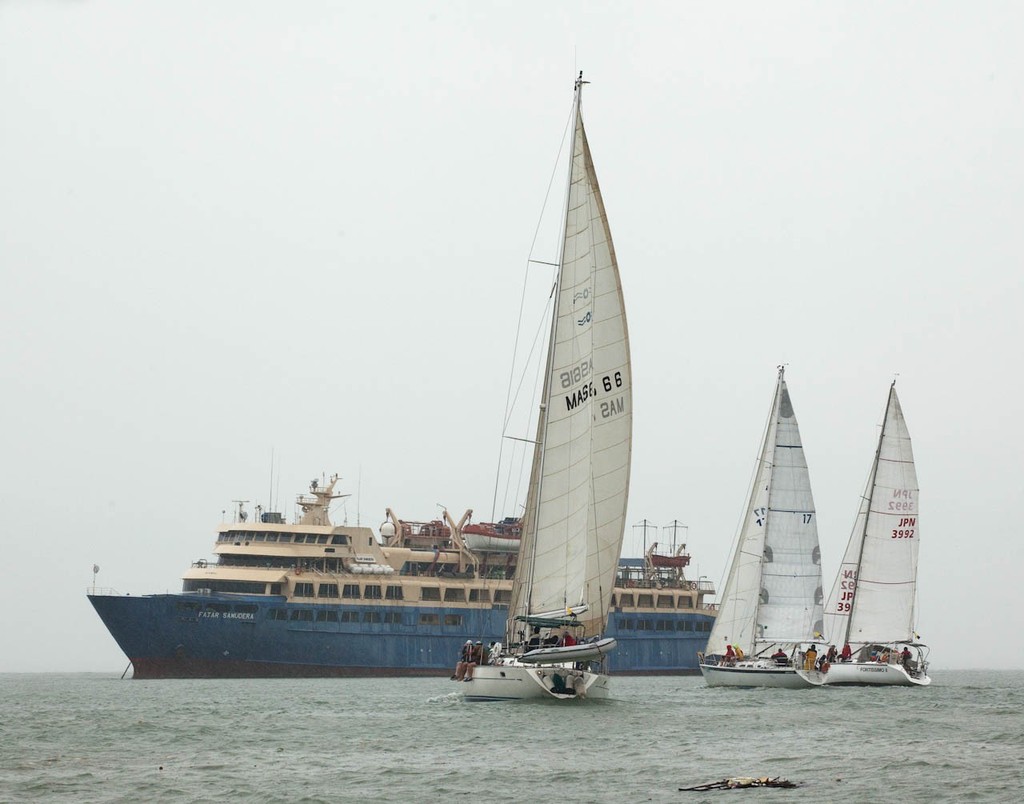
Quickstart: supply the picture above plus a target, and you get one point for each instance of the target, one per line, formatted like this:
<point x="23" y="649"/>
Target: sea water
<point x="100" y="738"/>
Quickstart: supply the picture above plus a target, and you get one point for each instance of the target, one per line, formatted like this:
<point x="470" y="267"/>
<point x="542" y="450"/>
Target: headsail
<point x="773" y="593"/>
<point x="579" y="483"/>
<point x="875" y="590"/>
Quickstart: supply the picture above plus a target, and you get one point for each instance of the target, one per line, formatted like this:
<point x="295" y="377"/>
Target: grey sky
<point x="237" y="227"/>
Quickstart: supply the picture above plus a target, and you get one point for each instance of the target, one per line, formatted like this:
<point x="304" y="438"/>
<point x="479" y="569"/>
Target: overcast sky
<point x="236" y="229"/>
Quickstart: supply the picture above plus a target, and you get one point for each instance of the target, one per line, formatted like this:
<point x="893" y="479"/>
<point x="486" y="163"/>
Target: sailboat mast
<point x="542" y="424"/>
<point x="867" y="514"/>
<point x="769" y="430"/>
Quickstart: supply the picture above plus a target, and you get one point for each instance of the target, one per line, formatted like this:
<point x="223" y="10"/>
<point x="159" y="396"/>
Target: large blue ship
<point x="310" y="599"/>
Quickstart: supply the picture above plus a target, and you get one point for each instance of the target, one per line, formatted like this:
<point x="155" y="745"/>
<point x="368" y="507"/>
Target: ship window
<point x="188" y="608"/>
<point x="271" y="537"/>
<point x="685" y="602"/>
<point x="393" y="593"/>
<point x="302" y="615"/>
<point x="502" y="595"/>
<point x="684" y="625"/>
<point x="663" y="625"/>
<point x="321" y="539"/>
<point x="430" y="593"/>
<point x="327" y="590"/>
<point x="350" y="590"/>
<point x="665" y="602"/>
<point x="455" y="595"/>
<point x="350" y="616"/>
<point x="371" y="617"/>
<point x="338" y="539"/>
<point x="299" y="538"/>
<point x="393" y="617"/>
<point x="429" y="619"/>
<point x="706" y="625"/>
<point x="644" y="600"/>
<point x="626" y="599"/>
<point x="628" y="625"/>
<point x="453" y="619"/>
<point x="284" y="537"/>
<point x="479" y="596"/>
<point x="643" y="625"/>
<point x="247" y="608"/>
<point x="275" y="588"/>
<point x="278" y="614"/>
<point x="303" y="590"/>
<point x="372" y="592"/>
<point x="327" y="616"/>
<point x="259" y="537"/>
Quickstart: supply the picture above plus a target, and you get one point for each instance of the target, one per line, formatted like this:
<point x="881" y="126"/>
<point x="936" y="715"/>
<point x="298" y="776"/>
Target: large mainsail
<point x="579" y="483"/>
<point x="876" y="587"/>
<point x="773" y="594"/>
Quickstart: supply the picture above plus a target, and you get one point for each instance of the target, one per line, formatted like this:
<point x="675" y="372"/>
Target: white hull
<point x="873" y="674"/>
<point x="515" y="682"/>
<point x="760" y="674"/>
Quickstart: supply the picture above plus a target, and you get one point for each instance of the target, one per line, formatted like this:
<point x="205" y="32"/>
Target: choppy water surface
<point x="98" y="738"/>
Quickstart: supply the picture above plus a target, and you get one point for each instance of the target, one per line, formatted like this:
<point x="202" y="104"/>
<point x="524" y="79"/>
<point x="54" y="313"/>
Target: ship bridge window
<point x="324" y="616"/>
<point x="455" y="595"/>
<point x="275" y="588"/>
<point x="665" y="602"/>
<point x="429" y="619"/>
<point x="430" y="593"/>
<point x="627" y="625"/>
<point x="664" y="625"/>
<point x="371" y="617"/>
<point x="350" y="616"/>
<point x="684" y="625"/>
<point x="350" y="590"/>
<point x="644" y="600"/>
<point x="685" y="602"/>
<point x="453" y="619"/>
<point x="339" y="539"/>
<point x="502" y="595"/>
<point x="479" y="596"/>
<point x="299" y="538"/>
<point x="372" y="592"/>
<point x="303" y="590"/>
<point x="394" y="617"/>
<point x="259" y="537"/>
<point x="626" y="599"/>
<point x="271" y="537"/>
<point x="302" y="615"/>
<point x="321" y="539"/>
<point x="644" y="625"/>
<point x="278" y="614"/>
<point x="284" y="537"/>
<point x="393" y="593"/>
<point x="327" y="590"/>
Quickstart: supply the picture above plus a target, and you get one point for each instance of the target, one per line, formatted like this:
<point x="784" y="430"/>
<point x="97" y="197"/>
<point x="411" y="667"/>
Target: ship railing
<point x="105" y="591"/>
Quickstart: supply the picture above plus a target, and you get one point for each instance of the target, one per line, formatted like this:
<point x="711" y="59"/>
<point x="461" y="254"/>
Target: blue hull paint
<point x="173" y="636"/>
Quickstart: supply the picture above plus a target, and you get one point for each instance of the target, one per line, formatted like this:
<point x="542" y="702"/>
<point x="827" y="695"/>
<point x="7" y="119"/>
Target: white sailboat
<point x="872" y="605"/>
<point x="771" y="606"/>
<point x="579" y="480"/>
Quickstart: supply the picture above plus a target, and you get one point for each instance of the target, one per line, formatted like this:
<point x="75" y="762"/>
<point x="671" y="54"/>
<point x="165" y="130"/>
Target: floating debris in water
<point x="741" y="782"/>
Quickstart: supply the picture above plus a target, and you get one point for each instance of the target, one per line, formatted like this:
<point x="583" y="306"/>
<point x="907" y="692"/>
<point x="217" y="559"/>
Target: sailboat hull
<point x="515" y="682"/>
<point x="760" y="674"/>
<point x="873" y="674"/>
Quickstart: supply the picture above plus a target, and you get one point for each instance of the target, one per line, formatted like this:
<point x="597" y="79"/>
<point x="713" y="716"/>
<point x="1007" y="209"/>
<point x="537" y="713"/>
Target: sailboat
<point x="575" y="512"/>
<point x="771" y="606"/>
<point x="871" y="607"/>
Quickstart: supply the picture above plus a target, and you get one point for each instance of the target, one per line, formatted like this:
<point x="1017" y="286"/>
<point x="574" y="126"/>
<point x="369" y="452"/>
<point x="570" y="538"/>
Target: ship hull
<point x="516" y="682"/>
<point x="240" y="636"/>
<point x="872" y="674"/>
<point x="758" y="675"/>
